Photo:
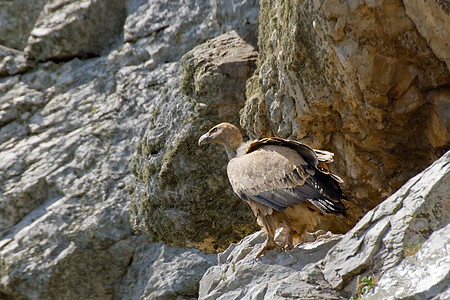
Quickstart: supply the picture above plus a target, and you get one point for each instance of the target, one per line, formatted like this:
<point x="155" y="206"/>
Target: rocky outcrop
<point x="293" y="275"/>
<point x="359" y="79"/>
<point x="387" y="239"/>
<point x="398" y="245"/>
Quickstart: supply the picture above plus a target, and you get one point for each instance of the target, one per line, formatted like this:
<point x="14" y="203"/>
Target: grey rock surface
<point x="17" y="19"/>
<point x="294" y="274"/>
<point x="12" y="61"/>
<point x="424" y="275"/>
<point x="74" y="28"/>
<point x="239" y="15"/>
<point x="380" y="241"/>
<point x="92" y="89"/>
<point x="158" y="271"/>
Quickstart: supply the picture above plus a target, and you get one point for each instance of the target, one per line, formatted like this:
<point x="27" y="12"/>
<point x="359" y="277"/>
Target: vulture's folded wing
<point x="279" y="177"/>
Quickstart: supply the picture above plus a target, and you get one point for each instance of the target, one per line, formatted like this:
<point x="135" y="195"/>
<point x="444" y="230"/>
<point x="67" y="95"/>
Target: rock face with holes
<point x="402" y="244"/>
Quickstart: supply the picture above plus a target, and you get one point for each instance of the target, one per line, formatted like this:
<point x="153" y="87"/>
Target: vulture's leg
<point x="270" y="244"/>
<point x="290" y="240"/>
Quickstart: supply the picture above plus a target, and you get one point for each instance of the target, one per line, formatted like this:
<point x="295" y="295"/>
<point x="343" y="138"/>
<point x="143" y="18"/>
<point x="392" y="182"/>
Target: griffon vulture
<point x="281" y="181"/>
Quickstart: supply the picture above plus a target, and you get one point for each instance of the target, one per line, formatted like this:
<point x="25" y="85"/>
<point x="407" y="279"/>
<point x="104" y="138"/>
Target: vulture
<point x="285" y="182"/>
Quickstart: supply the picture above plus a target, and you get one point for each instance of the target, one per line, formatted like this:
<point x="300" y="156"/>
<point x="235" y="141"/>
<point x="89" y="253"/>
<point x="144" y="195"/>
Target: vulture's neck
<point x="239" y="150"/>
<point x="232" y="141"/>
<point x="230" y="151"/>
<point x="232" y="147"/>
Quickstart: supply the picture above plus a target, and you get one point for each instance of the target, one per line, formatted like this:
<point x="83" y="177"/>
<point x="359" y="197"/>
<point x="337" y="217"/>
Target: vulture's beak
<point x="204" y="139"/>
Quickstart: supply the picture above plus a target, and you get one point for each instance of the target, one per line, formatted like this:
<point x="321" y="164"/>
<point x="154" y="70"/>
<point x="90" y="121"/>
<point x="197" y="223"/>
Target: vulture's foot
<point x="289" y="246"/>
<point x="270" y="245"/>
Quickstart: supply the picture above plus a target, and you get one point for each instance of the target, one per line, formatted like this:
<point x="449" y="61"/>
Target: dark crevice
<point x="151" y="33"/>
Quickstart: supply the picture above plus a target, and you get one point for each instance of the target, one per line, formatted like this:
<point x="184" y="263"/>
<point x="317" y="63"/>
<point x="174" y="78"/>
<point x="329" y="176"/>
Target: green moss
<point x="187" y="80"/>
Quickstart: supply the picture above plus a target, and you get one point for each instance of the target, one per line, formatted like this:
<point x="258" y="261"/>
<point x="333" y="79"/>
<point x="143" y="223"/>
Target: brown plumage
<point x="284" y="182"/>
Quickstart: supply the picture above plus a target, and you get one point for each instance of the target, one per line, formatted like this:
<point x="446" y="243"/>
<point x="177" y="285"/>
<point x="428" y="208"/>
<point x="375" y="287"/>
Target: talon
<point x="270" y="245"/>
<point x="288" y="247"/>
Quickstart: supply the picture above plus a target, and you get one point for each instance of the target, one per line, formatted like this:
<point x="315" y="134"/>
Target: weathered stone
<point x="370" y="88"/>
<point x="347" y="78"/>
<point x="17" y="19"/>
<point x="180" y="197"/>
<point x="238" y="15"/>
<point x="432" y="19"/>
<point x="158" y="271"/>
<point x="292" y="274"/>
<point x="423" y="275"/>
<point x="12" y="62"/>
<point x="379" y="243"/>
<point x="74" y="28"/>
<point x="437" y="130"/>
<point x="64" y="169"/>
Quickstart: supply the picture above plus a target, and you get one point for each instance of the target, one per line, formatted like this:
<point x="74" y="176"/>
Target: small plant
<point x="411" y="249"/>
<point x="364" y="286"/>
<point x="224" y="275"/>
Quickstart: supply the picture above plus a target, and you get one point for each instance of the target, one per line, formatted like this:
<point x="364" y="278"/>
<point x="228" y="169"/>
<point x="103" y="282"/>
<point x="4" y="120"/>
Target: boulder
<point x="158" y="271"/>
<point x="67" y="29"/>
<point x="182" y="195"/>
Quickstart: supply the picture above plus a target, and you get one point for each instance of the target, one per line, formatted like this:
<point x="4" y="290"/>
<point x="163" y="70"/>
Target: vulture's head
<point x="226" y="134"/>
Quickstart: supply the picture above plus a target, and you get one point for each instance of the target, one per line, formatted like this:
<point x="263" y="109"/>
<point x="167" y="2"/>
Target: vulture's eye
<point x="214" y="130"/>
